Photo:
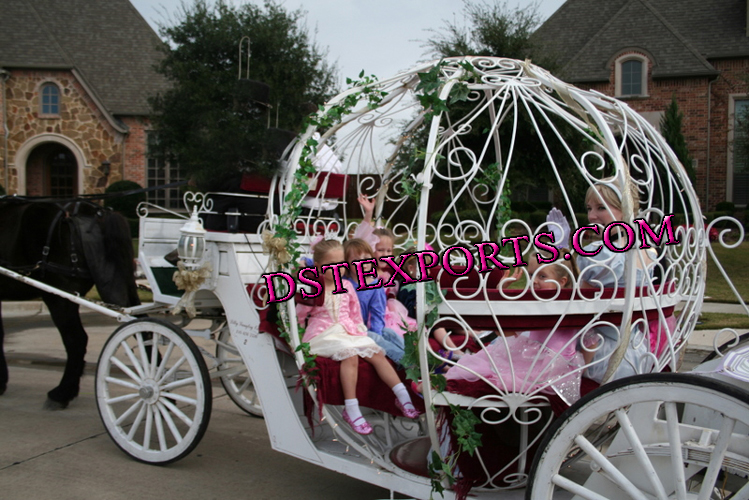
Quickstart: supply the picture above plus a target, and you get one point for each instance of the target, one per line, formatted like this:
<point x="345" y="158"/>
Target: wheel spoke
<point x="187" y="420"/>
<point x="716" y="459"/>
<point x="154" y="354"/>
<point x="159" y="428"/>
<point x="137" y="421"/>
<point x="127" y="370"/>
<point x="245" y="384"/>
<point x="170" y="423"/>
<point x="232" y="372"/>
<point x="178" y="383"/>
<point x="180" y="398"/>
<point x="129" y="412"/>
<point x="164" y="360"/>
<point x="143" y="354"/>
<point x="133" y="359"/>
<point x="148" y="429"/>
<point x="123" y="383"/>
<point x="677" y="454"/>
<point x="640" y="454"/>
<point x="613" y="473"/>
<point x="120" y="399"/>
<point x="172" y="370"/>
<point x="575" y="488"/>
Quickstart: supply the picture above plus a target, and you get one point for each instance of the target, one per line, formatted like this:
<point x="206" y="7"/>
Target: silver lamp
<point x="192" y="241"/>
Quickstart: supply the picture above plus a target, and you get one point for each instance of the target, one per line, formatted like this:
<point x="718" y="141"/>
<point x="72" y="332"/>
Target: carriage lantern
<point x="192" y="240"/>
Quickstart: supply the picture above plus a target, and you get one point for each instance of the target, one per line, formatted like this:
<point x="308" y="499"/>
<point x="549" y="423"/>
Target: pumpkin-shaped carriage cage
<point x="445" y="149"/>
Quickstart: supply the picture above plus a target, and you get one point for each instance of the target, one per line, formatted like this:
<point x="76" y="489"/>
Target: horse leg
<point x="67" y="319"/>
<point x="3" y="364"/>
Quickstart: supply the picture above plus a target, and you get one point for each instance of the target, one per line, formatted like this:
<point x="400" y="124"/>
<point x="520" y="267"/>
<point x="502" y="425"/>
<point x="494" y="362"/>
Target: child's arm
<point x="349" y="315"/>
<point x="377" y="311"/>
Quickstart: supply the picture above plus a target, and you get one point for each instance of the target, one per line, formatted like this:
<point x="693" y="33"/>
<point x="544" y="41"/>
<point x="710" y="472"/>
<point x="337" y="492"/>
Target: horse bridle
<point x="62" y="216"/>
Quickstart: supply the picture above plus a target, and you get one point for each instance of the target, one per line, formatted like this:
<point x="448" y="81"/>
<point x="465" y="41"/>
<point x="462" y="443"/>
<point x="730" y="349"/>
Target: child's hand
<point x="368" y="205"/>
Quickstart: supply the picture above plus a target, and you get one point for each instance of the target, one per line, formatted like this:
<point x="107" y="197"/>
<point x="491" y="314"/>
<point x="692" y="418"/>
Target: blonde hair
<point x="572" y="270"/>
<point x="323" y="247"/>
<point x="384" y="231"/>
<point x="608" y="190"/>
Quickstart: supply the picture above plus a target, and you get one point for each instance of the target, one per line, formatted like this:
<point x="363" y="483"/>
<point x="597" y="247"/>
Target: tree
<point x="671" y="131"/>
<point x="215" y="124"/>
<point x="491" y="30"/>
<point x="496" y="30"/>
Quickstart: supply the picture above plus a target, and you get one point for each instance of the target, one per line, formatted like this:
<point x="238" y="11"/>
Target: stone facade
<point x="692" y="96"/>
<point x="80" y="126"/>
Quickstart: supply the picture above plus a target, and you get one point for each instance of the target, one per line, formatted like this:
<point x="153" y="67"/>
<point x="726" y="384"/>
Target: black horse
<point x="70" y="245"/>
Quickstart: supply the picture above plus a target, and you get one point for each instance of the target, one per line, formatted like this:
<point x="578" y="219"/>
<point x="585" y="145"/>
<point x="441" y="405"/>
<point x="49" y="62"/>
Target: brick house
<point x="75" y="76"/>
<point x="646" y="51"/>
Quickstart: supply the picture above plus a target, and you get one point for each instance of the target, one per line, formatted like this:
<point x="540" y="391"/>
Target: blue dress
<point x="607" y="268"/>
<point x="373" y="303"/>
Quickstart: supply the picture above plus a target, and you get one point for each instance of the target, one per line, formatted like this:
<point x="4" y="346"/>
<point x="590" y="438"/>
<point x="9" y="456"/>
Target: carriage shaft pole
<point x="121" y="317"/>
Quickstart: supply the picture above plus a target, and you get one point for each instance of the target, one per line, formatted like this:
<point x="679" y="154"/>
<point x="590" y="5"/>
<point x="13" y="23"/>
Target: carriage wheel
<point x="680" y="436"/>
<point x="727" y="346"/>
<point x="237" y="382"/>
<point x="153" y="391"/>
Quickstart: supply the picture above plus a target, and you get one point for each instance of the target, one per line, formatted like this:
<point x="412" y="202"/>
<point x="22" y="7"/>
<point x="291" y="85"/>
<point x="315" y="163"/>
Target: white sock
<point x="352" y="408"/>
<point x="402" y="394"/>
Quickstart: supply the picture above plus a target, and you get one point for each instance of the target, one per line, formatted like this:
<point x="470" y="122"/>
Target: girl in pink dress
<point x="335" y="330"/>
<point x="547" y="359"/>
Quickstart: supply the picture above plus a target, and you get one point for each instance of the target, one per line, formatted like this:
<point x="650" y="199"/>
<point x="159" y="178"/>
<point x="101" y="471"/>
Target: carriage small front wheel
<point x="153" y="391"/>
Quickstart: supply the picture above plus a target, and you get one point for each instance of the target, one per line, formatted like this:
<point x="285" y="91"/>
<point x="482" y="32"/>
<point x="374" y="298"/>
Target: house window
<point x="740" y="152"/>
<point x="160" y="172"/>
<point x="631" y="75"/>
<point x="632" y="78"/>
<point x="50" y="99"/>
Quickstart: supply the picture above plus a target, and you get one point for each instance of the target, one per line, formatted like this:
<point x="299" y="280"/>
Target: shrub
<point x="126" y="205"/>
<point x="725" y="206"/>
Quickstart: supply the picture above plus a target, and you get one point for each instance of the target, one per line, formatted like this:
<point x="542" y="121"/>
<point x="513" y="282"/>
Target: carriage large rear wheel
<point x="236" y="376"/>
<point x="153" y="391"/>
<point x="679" y="436"/>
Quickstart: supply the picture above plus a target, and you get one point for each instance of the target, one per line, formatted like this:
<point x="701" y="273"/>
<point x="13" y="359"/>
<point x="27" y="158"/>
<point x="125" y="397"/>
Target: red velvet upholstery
<point x="371" y="391"/>
<point x="336" y="188"/>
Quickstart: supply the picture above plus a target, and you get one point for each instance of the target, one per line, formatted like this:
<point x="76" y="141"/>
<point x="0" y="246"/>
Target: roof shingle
<point x="680" y="36"/>
<point x="106" y="41"/>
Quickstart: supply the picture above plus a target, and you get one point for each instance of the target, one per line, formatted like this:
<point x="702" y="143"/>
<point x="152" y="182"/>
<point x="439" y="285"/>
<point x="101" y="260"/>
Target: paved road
<point x="68" y="455"/>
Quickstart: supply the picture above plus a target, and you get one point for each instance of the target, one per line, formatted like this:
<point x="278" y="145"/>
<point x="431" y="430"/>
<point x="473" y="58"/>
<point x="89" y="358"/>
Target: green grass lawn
<point x="734" y="263"/>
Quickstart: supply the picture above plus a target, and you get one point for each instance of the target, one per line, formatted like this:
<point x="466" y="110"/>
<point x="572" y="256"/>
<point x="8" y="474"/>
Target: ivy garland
<point x="285" y="228"/>
<point x="464" y="421"/>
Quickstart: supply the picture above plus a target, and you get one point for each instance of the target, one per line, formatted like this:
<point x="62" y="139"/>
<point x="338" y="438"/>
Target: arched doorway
<point x="52" y="170"/>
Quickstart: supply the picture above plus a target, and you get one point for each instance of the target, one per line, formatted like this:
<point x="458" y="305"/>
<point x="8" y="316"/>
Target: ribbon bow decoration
<point x="276" y="246"/>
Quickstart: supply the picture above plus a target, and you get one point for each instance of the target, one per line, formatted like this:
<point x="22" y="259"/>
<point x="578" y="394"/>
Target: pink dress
<point x="335" y="330"/>
<point x="397" y="318"/>
<point x="526" y="366"/>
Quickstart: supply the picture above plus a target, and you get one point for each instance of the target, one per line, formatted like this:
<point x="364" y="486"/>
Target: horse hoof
<point x="2" y="390"/>
<point x="53" y="405"/>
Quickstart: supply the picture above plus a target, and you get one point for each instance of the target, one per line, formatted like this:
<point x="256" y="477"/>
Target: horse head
<point x="107" y="247"/>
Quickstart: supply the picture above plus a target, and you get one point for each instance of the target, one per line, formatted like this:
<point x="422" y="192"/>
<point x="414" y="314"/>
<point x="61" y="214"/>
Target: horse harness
<point x="72" y="219"/>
